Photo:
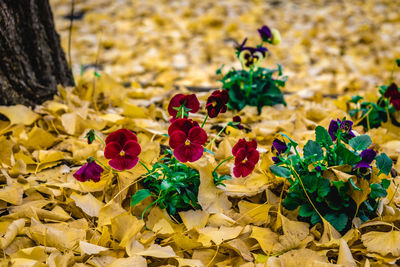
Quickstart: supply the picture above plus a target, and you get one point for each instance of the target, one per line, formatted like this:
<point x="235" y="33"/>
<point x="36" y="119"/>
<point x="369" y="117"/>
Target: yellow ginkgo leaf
<point x="382" y="242"/>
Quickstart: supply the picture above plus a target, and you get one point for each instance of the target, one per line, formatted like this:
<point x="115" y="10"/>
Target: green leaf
<point x="323" y="188"/>
<point x="385" y="183"/>
<point x="360" y="142"/>
<point x="377" y="190"/>
<point x="313" y="148"/>
<point x="322" y="137"/>
<point x="398" y="62"/>
<point x="140" y="196"/>
<point x="315" y="218"/>
<point x="306" y="210"/>
<point x="347" y="156"/>
<point x="337" y="220"/>
<point x="310" y="182"/>
<point x="290" y="202"/>
<point x="280" y="171"/>
<point x="384" y="164"/>
<point x="355" y="99"/>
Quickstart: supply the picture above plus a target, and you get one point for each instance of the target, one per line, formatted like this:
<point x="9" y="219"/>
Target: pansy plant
<point x="373" y="114"/>
<point x="338" y="176"/>
<point x="254" y="85"/>
<point x="171" y="183"/>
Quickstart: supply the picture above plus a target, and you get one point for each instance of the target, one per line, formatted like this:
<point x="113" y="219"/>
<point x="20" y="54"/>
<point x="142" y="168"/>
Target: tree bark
<point x="32" y="61"/>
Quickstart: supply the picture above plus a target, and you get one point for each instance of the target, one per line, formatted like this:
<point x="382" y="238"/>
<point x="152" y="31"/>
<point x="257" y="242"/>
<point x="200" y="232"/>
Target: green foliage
<point x="384" y="164"/>
<point x="373" y="114"/>
<point x="314" y="184"/>
<point x="173" y="186"/>
<point x="254" y="87"/>
<point x="360" y="142"/>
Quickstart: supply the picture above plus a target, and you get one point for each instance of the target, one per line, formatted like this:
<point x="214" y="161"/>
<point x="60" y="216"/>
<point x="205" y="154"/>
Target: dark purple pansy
<point x="367" y="157"/>
<point x="393" y="93"/>
<point x="238" y="120"/>
<point x="265" y="33"/>
<point x="279" y="146"/>
<point x="318" y="168"/>
<point x="345" y="126"/>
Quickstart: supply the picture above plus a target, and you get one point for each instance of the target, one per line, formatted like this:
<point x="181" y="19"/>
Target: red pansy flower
<point x="246" y="157"/>
<point x="186" y="138"/>
<point x="189" y="101"/>
<point x="393" y="93"/>
<point x="89" y="171"/>
<point x="216" y="103"/>
<point x="123" y="149"/>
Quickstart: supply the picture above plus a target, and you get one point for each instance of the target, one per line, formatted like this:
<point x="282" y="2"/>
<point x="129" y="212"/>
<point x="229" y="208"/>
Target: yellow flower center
<point x="244" y="161"/>
<point x="214" y="103"/>
<point x="187" y="142"/>
<point x="122" y="153"/>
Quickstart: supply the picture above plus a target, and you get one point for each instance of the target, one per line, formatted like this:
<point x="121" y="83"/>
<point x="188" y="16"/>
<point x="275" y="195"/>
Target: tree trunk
<point x="32" y="61"/>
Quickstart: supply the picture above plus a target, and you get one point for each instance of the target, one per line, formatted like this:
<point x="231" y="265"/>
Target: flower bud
<point x="276" y="37"/>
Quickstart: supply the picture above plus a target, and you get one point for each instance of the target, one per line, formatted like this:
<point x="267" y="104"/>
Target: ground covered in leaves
<point x="144" y="52"/>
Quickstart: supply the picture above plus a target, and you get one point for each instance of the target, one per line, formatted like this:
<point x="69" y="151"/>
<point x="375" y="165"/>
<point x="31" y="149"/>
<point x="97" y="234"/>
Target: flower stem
<point x="219" y="133"/>
<point x="251" y="83"/>
<point x="100" y="139"/>
<point x="148" y="170"/>
<point x="204" y="122"/>
<point x="225" y="160"/>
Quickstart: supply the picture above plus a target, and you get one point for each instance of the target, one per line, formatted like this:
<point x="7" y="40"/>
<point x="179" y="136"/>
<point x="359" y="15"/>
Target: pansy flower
<point x="252" y="56"/>
<point x="280" y="148"/>
<point x="367" y="157"/>
<point x="246" y="157"/>
<point x="122" y="149"/>
<point x="344" y="126"/>
<point x="265" y="33"/>
<point x="216" y="103"/>
<point x="237" y="123"/>
<point x="189" y="102"/>
<point x="187" y="140"/>
<point x="89" y="171"/>
<point x="393" y="93"/>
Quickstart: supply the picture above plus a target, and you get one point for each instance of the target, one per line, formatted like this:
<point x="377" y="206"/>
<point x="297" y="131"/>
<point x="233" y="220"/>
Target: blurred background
<point x="328" y="46"/>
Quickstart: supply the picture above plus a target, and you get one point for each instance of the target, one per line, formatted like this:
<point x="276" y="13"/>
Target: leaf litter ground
<point x="329" y="49"/>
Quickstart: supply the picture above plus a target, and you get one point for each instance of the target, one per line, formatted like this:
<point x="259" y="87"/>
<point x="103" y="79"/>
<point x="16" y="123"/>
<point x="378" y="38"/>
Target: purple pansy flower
<point x="265" y="33"/>
<point x="367" y="157"/>
<point x="280" y="148"/>
<point x="345" y="126"/>
<point x="89" y="171"/>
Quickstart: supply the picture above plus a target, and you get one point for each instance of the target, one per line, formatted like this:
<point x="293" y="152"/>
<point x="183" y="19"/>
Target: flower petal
<point x="177" y="138"/>
<point x="243" y="169"/>
<point x="240" y="155"/>
<point x="192" y="102"/>
<point x="121" y="136"/>
<point x="197" y="136"/>
<point x="189" y="153"/>
<point x="123" y="162"/>
<point x="253" y="156"/>
<point x="368" y="155"/>
<point x="132" y="148"/>
<point x="240" y="144"/>
<point x="112" y="150"/>
<point x="175" y="103"/>
<point x="183" y="125"/>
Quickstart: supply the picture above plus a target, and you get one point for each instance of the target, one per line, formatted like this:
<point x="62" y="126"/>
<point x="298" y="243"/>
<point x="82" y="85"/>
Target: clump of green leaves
<point x="172" y="185"/>
<point x="253" y="85"/>
<point x="373" y="114"/>
<point x="335" y="177"/>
